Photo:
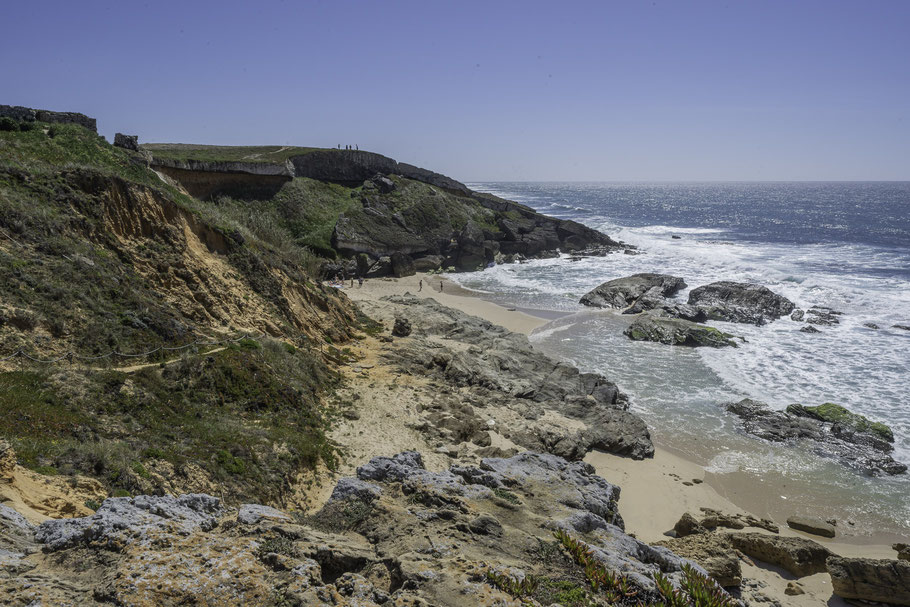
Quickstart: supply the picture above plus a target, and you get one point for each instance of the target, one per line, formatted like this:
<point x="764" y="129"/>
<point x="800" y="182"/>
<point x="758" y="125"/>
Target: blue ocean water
<point x="841" y="245"/>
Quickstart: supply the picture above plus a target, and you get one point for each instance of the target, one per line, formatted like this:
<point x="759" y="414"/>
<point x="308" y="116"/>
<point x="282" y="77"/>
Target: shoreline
<point x="649" y="512"/>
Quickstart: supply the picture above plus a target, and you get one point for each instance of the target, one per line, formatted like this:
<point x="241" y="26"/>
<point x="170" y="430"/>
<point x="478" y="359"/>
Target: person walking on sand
<point x="352" y="282"/>
<point x="360" y="281"/>
<point x="440" y="286"/>
<point x="420" y="286"/>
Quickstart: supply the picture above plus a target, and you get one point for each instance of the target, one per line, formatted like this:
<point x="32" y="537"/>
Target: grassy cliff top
<point x="227" y="153"/>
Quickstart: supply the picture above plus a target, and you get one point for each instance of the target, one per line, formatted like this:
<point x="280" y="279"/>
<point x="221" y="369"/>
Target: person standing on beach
<point x="440" y="286"/>
<point x="420" y="286"/>
<point x="360" y="281"/>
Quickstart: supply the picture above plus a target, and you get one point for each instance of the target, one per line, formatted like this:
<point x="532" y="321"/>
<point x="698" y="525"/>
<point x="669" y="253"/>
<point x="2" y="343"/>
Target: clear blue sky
<point x="492" y="90"/>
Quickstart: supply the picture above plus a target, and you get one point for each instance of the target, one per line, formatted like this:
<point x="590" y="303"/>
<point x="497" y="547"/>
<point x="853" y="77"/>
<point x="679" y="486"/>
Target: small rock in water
<point x="903" y="327"/>
<point x="811" y="525"/>
<point x="809" y="329"/>
<point x="870" y="325"/>
<point x="675" y="237"/>
<point x="797" y="315"/>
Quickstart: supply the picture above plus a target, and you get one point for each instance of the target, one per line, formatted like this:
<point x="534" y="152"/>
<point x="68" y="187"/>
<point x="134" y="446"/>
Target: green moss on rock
<point x="834" y="413"/>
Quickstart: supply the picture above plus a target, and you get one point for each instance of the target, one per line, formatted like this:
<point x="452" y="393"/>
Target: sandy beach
<point x="655" y="492"/>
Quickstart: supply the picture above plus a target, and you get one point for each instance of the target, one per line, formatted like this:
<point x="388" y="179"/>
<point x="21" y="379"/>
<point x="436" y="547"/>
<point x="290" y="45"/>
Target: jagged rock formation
<point x="26" y="114"/>
<point x="855" y="444"/>
<point x="397" y="534"/>
<point x="639" y="291"/>
<point x="740" y="302"/>
<point x="522" y="395"/>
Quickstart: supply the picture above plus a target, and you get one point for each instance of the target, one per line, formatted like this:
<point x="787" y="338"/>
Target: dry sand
<point x="655" y="492"/>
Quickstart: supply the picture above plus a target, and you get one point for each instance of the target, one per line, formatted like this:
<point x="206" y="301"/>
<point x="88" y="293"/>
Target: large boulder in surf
<point x="625" y="292"/>
<point x="864" y="451"/>
<point x="877" y="580"/>
<point x="740" y="302"/>
<point x="676" y="332"/>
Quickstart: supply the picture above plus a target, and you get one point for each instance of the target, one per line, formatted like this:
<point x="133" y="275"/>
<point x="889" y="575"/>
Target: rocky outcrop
<point x="878" y="580"/>
<point x="26" y="114"/>
<point x="402" y="208"/>
<point x="740" y="302"/>
<point x="676" y="332"/>
<point x="123" y="520"/>
<point x="127" y="142"/>
<point x="865" y="451"/>
<point x="799" y="556"/>
<point x="712" y="519"/>
<point x="505" y="386"/>
<point x="398" y="534"/>
<point x="714" y="552"/>
<point x="644" y="291"/>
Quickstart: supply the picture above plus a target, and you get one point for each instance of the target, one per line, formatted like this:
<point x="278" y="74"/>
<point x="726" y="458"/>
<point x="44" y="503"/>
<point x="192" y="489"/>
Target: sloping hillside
<point x="114" y="283"/>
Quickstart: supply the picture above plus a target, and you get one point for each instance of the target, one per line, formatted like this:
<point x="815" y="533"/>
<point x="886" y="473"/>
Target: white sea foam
<point x="679" y="392"/>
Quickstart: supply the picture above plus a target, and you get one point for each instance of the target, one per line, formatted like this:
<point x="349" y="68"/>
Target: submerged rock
<point x="631" y="290"/>
<point x="740" y="302"/>
<point x="852" y="442"/>
<point x="823" y="316"/>
<point x="676" y="332"/>
<point x="881" y="580"/>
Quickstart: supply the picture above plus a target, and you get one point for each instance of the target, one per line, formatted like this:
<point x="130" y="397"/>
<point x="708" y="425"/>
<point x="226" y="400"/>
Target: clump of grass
<point x="505" y="494"/>
<point x="339" y="516"/>
<point x="277" y="544"/>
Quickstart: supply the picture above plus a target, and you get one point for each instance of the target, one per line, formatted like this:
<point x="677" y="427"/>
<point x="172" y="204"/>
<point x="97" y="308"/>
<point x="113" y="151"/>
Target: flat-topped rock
<point x="814" y="526"/>
<point x="740" y="302"/>
<point x="799" y="556"/>
<point x="677" y="332"/>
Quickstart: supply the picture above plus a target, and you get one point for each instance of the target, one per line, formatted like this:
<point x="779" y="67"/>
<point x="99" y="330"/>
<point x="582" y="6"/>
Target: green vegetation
<point x="227" y="153"/>
<point x="250" y="417"/>
<point x="340" y="515"/>
<point x="277" y="544"/>
<point x="506" y="495"/>
<point x="834" y="413"/>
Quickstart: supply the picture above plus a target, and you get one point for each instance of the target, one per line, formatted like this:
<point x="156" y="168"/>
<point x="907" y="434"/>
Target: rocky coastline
<point x="399" y="450"/>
